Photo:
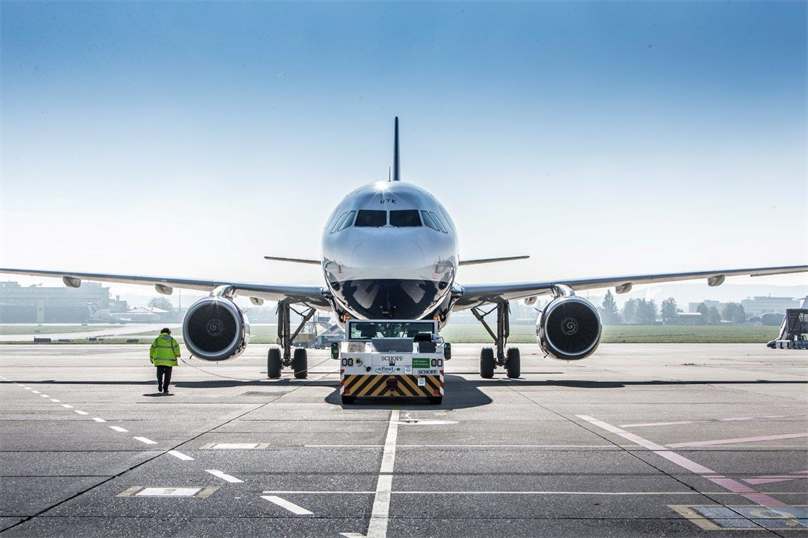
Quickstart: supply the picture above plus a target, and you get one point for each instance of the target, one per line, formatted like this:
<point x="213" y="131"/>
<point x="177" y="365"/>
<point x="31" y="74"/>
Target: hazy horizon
<point x="190" y="140"/>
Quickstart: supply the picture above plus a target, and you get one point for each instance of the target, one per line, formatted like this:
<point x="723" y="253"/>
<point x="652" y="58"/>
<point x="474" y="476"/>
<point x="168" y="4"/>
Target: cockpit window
<point x="428" y="222"/>
<point x="371" y="218"/>
<point x="339" y="222"/>
<point x="405" y="218"/>
<point x="438" y="222"/>
<point x="348" y="221"/>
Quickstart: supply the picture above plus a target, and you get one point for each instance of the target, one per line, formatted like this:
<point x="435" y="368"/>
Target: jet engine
<point x="569" y="328"/>
<point x="215" y="329"/>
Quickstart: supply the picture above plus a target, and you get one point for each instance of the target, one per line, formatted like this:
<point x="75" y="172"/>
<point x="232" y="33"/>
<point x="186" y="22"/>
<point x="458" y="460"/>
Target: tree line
<point x="646" y="312"/>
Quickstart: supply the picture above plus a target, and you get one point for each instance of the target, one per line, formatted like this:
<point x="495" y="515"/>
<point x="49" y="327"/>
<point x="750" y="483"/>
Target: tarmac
<point x="638" y="439"/>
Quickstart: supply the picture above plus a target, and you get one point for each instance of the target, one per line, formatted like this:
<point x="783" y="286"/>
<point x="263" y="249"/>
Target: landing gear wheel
<point x="487" y="363"/>
<point x="274" y="363"/>
<point x="300" y="363"/>
<point x="435" y="400"/>
<point x="513" y="363"/>
<point x="348" y="400"/>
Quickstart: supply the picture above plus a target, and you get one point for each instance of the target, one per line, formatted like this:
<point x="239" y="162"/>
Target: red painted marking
<point x="741" y="440"/>
<point x="768" y="479"/>
<point x="727" y="483"/>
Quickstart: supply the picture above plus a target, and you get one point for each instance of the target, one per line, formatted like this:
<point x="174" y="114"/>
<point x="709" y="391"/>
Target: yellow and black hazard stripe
<point x="376" y="386"/>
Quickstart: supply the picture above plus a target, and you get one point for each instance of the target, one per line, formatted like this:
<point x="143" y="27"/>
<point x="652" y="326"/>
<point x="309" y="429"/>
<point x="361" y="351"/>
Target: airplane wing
<point x="492" y="260"/>
<point x="293" y="260"/>
<point x="310" y="295"/>
<point x="474" y="295"/>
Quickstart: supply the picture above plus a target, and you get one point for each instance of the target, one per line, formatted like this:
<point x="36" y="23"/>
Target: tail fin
<point x="396" y="167"/>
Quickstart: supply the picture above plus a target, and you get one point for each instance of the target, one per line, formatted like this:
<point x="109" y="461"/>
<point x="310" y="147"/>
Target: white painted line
<point x="180" y="455"/>
<point x="283" y="503"/>
<point x="67" y="406"/>
<point x="726" y="483"/>
<point x="235" y="446"/>
<point x="98" y="419"/>
<point x="309" y="492"/>
<point x="118" y="429"/>
<point x="36" y="392"/>
<point x="225" y="477"/>
<point x="610" y="447"/>
<point x="44" y="395"/>
<point x="145" y="440"/>
<point x="595" y="493"/>
<point x="379" y="517"/>
<point x="81" y="412"/>
<point x="740" y="440"/>
<point x="54" y="400"/>
<point x="27" y="388"/>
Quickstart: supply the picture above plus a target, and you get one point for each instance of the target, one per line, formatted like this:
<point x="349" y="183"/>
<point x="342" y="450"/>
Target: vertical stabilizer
<point x="396" y="168"/>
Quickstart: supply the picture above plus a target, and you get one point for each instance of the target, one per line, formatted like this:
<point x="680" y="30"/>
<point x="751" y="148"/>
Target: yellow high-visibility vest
<point x="164" y="351"/>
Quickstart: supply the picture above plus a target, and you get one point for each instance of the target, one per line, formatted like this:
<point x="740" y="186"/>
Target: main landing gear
<point x="509" y="358"/>
<point x="278" y="357"/>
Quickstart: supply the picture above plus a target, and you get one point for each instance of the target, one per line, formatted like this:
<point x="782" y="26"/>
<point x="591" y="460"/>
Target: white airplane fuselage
<point x="390" y="251"/>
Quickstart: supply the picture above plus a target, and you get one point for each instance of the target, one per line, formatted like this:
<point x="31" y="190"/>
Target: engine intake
<point x="569" y="328"/>
<point x="215" y="329"/>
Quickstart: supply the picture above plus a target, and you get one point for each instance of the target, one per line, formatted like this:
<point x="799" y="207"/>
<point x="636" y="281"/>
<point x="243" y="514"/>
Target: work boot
<point x="159" y="388"/>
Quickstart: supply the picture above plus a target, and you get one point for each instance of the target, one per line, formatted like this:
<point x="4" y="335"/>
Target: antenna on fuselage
<point x="396" y="167"/>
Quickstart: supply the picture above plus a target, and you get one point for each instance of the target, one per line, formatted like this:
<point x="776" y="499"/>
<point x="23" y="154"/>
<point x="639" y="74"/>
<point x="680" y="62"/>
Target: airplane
<point x="390" y="251"/>
<point x="130" y="316"/>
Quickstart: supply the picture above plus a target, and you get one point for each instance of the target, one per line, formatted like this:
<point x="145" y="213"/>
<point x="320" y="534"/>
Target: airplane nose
<point x="379" y="252"/>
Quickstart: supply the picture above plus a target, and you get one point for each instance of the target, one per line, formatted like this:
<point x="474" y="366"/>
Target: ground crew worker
<point x="164" y="354"/>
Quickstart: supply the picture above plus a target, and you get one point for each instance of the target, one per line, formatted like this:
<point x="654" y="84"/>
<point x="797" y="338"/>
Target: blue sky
<point x="600" y="138"/>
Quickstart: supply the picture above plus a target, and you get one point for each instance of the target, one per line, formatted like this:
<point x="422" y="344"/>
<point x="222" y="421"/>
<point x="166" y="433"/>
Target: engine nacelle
<point x="569" y="328"/>
<point x="215" y="329"/>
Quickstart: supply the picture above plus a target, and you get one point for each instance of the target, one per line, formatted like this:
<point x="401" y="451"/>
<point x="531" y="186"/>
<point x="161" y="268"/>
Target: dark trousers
<point x="163" y="377"/>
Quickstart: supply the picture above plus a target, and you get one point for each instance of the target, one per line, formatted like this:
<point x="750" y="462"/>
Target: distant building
<point x="757" y="306"/>
<point x="685" y="319"/>
<point x="60" y="304"/>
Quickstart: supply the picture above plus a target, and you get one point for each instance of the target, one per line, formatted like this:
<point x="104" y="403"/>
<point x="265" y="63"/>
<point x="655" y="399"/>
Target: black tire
<point x="513" y="362"/>
<point x="435" y="400"/>
<point x="300" y="363"/>
<point x="487" y="363"/>
<point x="348" y="400"/>
<point x="274" y="363"/>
